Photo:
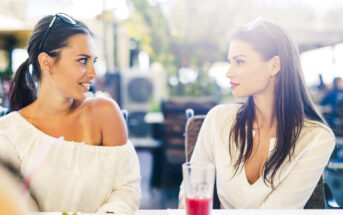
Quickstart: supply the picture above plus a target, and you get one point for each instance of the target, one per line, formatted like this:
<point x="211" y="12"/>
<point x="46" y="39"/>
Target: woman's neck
<point x="264" y="112"/>
<point x="52" y="107"/>
<point x="51" y="104"/>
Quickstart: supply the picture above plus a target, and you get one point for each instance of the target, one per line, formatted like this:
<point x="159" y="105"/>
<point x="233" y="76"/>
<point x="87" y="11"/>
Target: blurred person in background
<point x="269" y="152"/>
<point x="318" y="91"/>
<point x="334" y="99"/>
<point x="73" y="149"/>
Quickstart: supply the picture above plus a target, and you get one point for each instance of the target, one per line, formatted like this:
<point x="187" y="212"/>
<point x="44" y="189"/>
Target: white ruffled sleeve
<point x="126" y="191"/>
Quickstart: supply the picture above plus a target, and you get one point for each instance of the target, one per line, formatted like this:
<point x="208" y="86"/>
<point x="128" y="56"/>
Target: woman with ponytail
<point x="23" y="91"/>
<point x="270" y="151"/>
<point x="72" y="150"/>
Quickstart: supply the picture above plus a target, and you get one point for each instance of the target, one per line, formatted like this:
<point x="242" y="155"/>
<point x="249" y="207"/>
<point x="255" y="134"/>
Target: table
<point x="154" y="147"/>
<point x="148" y="144"/>
<point x="225" y="212"/>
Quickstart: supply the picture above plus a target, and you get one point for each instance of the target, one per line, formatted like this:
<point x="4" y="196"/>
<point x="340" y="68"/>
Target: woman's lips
<point x="85" y="85"/>
<point x="233" y="85"/>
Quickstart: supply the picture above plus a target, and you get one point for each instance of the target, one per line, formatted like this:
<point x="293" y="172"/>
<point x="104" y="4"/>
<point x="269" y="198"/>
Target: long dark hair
<point x="23" y="90"/>
<point x="292" y="103"/>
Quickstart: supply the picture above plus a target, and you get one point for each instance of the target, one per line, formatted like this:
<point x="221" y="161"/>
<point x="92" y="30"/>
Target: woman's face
<point x="249" y="73"/>
<point x="340" y="84"/>
<point x="74" y="72"/>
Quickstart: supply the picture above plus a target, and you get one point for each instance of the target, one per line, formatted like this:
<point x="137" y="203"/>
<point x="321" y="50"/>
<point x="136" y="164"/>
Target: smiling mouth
<point x="86" y="86"/>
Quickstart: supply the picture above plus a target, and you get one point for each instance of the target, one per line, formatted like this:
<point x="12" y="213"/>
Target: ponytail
<point x="23" y="90"/>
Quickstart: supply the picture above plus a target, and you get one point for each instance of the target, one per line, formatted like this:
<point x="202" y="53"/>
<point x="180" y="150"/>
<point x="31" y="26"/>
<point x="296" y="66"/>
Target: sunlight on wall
<point x="327" y="61"/>
<point x="218" y="71"/>
<point x="18" y="57"/>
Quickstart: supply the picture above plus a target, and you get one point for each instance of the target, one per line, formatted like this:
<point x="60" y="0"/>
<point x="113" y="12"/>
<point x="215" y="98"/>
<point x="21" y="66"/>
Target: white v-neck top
<point x="72" y="176"/>
<point x="294" y="181"/>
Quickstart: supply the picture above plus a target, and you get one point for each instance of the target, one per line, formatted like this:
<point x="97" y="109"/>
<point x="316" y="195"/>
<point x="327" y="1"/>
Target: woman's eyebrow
<point x="87" y="56"/>
<point x="84" y="55"/>
<point x="235" y="57"/>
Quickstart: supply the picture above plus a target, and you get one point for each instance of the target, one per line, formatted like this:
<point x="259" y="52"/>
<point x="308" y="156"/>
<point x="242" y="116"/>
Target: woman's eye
<point x="83" y="60"/>
<point x="239" y="62"/>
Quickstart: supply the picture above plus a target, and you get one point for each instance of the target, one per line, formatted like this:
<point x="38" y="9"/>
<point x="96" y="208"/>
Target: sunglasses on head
<point x="63" y="17"/>
<point x="259" y="22"/>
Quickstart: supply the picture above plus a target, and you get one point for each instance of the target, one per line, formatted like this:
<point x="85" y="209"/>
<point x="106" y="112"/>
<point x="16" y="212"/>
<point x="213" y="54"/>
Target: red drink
<point x="198" y="206"/>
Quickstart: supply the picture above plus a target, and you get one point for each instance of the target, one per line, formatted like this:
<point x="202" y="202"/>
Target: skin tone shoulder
<point x="62" y="108"/>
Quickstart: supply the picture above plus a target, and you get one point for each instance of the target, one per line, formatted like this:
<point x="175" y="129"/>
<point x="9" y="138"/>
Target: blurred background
<point x="159" y="57"/>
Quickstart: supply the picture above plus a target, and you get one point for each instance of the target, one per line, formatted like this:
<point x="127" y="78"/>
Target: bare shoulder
<point x="107" y="114"/>
<point x="98" y="105"/>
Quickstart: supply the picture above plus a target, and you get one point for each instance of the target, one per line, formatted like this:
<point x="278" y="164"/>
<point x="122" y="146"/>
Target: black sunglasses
<point x="62" y="16"/>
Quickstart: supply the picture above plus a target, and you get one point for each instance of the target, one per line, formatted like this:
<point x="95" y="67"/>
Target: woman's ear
<point x="45" y="62"/>
<point x="275" y="65"/>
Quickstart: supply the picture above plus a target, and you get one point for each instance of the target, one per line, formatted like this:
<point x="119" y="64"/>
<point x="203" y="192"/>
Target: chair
<point x="173" y="148"/>
<point x="193" y="125"/>
<point x="333" y="176"/>
<point x="125" y="114"/>
<point x="330" y="199"/>
<point x="321" y="194"/>
<point x="317" y="199"/>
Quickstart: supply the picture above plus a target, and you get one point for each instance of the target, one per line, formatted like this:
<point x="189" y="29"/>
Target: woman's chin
<point x="80" y="97"/>
<point x="239" y="95"/>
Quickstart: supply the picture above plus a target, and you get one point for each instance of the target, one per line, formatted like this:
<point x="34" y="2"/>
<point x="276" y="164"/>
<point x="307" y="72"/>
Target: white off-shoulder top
<point x="71" y="176"/>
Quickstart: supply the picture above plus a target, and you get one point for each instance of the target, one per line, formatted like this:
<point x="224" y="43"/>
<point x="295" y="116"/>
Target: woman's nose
<point x="230" y="72"/>
<point x="91" y="72"/>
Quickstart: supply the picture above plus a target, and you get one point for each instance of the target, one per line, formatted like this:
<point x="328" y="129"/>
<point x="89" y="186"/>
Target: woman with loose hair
<point x="72" y="150"/>
<point x="269" y="152"/>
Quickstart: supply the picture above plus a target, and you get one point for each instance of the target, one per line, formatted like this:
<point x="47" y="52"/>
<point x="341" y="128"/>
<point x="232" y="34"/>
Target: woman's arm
<point x="295" y="190"/>
<point x="107" y="115"/>
<point x="126" y="191"/>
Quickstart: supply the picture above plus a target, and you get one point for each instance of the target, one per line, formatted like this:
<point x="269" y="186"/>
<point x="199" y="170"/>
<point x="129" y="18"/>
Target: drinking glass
<point x="198" y="182"/>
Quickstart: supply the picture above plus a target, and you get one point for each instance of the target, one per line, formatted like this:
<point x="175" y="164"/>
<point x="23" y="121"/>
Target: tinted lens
<point x="255" y="23"/>
<point x="66" y="18"/>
